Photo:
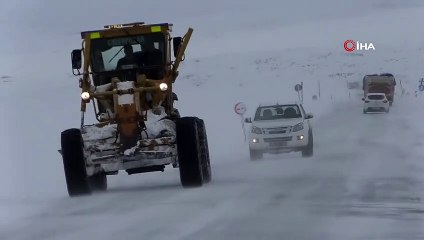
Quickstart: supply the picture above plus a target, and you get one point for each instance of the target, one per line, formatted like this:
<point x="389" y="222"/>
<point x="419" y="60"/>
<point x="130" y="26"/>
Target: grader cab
<point x="127" y="74"/>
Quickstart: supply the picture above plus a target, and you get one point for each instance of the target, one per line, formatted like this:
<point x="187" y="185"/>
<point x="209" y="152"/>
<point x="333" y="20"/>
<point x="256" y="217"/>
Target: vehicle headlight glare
<point x="85" y="96"/>
<point x="163" y="86"/>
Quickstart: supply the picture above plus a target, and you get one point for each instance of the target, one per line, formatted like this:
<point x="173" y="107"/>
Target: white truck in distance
<point x="280" y="128"/>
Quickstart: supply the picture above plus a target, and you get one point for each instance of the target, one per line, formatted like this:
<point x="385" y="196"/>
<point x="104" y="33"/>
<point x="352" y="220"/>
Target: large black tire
<point x="189" y="152"/>
<point x="308" y="151"/>
<point x="204" y="151"/>
<point x="98" y="182"/>
<point x="74" y="163"/>
<point x="255" y="154"/>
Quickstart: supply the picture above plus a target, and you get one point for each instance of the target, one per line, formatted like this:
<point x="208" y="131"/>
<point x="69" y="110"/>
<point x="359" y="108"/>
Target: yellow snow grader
<point x="126" y="72"/>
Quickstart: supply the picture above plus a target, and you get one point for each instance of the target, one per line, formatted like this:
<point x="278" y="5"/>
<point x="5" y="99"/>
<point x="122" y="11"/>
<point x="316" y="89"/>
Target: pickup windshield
<point x="275" y="112"/>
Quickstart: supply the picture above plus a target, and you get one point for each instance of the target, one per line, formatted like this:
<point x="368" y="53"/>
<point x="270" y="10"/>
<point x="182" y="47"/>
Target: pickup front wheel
<point x="308" y="151"/>
<point x="255" y="154"/>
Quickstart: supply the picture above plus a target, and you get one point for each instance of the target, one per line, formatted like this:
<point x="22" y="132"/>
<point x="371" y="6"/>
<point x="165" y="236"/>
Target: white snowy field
<point x="364" y="182"/>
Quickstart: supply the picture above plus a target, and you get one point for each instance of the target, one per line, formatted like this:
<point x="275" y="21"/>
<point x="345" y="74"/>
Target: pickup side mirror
<point x="248" y="120"/>
<point x="76" y="57"/>
<point x="176" y="42"/>
<point x="309" y="116"/>
<point x="363" y="99"/>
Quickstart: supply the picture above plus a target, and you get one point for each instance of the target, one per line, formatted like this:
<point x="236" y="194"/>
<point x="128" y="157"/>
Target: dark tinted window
<point x="375" y="97"/>
<point x="106" y="52"/>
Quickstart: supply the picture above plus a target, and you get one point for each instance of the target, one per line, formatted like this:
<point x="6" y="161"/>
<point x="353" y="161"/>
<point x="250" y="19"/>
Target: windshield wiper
<point x="116" y="54"/>
<point x="133" y="38"/>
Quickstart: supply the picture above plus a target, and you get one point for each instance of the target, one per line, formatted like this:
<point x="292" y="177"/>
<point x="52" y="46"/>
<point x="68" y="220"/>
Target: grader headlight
<point x="163" y="87"/>
<point x="85" y="96"/>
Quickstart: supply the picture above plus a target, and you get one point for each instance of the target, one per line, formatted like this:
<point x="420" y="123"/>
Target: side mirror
<point x="363" y="99"/>
<point x="76" y="58"/>
<point x="176" y="41"/>
<point x="248" y="120"/>
<point x="174" y="97"/>
<point x="309" y="116"/>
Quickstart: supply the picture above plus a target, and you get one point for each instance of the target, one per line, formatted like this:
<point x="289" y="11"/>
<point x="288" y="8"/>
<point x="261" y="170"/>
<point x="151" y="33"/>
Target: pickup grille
<point x="278" y="139"/>
<point x="277" y="130"/>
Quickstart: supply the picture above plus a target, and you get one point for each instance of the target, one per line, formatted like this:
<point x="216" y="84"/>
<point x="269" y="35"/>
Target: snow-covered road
<point x="364" y="182"/>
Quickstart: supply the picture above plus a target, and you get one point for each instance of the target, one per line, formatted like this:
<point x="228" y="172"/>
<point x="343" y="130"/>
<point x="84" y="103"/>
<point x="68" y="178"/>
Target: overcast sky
<point x="35" y="26"/>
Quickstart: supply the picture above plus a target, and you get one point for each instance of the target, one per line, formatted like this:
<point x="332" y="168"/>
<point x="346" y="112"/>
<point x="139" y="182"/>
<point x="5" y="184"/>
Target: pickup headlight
<point x="256" y="130"/>
<point x="297" y="127"/>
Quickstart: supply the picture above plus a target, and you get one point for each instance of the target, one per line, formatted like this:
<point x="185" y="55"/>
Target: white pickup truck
<point x="280" y="128"/>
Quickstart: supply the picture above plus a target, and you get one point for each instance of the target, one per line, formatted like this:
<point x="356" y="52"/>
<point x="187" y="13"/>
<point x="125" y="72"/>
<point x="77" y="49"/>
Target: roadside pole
<point x="240" y="109"/>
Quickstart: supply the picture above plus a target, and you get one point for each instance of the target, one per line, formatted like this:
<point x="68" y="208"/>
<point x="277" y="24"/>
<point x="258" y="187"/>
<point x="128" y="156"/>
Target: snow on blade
<point x="94" y="132"/>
